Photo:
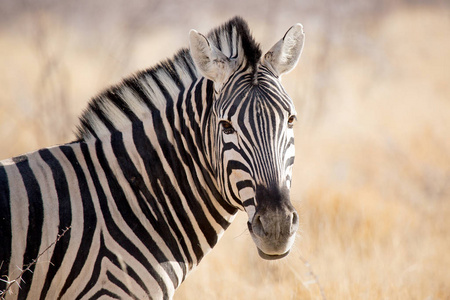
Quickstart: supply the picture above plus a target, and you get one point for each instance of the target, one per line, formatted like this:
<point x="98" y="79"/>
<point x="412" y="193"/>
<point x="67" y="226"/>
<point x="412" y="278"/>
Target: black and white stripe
<point x="162" y="163"/>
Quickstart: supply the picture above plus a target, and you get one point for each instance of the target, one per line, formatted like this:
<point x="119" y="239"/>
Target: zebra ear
<point x="209" y="60"/>
<point x="284" y="55"/>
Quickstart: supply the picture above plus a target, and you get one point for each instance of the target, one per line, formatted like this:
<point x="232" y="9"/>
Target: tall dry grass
<point x="372" y="172"/>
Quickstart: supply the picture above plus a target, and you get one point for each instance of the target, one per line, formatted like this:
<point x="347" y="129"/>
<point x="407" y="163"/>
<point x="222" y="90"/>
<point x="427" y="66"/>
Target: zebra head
<point x="249" y="129"/>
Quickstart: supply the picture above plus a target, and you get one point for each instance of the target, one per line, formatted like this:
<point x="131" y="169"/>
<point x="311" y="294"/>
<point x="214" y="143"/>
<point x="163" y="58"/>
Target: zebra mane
<point x="138" y="95"/>
<point x="222" y="38"/>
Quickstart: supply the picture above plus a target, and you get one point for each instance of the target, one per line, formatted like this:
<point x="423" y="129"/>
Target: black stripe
<point x="193" y="159"/>
<point x="132" y="273"/>
<point x="178" y="169"/>
<point x="232" y="194"/>
<point x="169" y="67"/>
<point x="65" y="217"/>
<point x="99" y="111"/>
<point x="185" y="59"/>
<point x="113" y="229"/>
<point x="290" y="142"/>
<point x="249" y="202"/>
<point x="120" y="285"/>
<point x="89" y="219"/>
<point x="36" y="221"/>
<point x="275" y="95"/>
<point x="200" y="140"/>
<point x="103" y="253"/>
<point x="150" y="158"/>
<point x="84" y="128"/>
<point x="5" y="227"/>
<point x="119" y="102"/>
<point x="137" y="183"/>
<point x="244" y="184"/>
<point x="114" y="96"/>
<point x="104" y="292"/>
<point x="158" y="176"/>
<point x="289" y="161"/>
<point x="235" y="165"/>
<point x="133" y="176"/>
<point x="227" y="146"/>
<point x="136" y="87"/>
<point x="236" y="93"/>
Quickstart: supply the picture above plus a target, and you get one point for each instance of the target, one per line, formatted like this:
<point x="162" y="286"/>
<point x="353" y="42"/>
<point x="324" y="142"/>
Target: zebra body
<point x="162" y="163"/>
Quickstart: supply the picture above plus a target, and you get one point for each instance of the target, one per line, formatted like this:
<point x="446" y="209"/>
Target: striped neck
<point x="158" y="121"/>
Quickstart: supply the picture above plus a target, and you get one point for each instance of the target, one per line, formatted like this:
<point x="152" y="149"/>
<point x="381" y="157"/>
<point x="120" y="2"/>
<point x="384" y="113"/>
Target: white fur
<point x="284" y="55"/>
<point x="210" y="61"/>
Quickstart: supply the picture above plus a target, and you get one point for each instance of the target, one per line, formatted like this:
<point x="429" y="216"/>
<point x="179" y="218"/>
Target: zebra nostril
<point x="294" y="222"/>
<point x="258" y="227"/>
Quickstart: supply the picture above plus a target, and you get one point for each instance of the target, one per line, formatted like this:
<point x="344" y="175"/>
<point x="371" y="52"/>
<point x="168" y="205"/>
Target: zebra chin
<point x="269" y="249"/>
<point x="272" y="257"/>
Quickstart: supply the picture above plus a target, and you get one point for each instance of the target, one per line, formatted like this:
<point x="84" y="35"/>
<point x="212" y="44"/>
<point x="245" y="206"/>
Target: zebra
<point x="160" y="166"/>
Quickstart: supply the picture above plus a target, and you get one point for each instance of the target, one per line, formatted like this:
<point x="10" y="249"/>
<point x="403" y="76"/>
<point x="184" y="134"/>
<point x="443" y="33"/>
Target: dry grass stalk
<point x="313" y="275"/>
<point x="19" y="279"/>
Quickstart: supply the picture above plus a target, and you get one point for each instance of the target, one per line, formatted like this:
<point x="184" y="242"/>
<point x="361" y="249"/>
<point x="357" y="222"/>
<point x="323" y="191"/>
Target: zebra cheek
<point x="239" y="180"/>
<point x="229" y="138"/>
<point x="247" y="196"/>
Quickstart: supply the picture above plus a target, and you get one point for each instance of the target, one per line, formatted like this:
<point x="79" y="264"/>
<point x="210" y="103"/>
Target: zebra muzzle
<point x="273" y="230"/>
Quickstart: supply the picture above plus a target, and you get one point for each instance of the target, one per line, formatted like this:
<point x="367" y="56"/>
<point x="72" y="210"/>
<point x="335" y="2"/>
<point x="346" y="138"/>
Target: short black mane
<point x="252" y="50"/>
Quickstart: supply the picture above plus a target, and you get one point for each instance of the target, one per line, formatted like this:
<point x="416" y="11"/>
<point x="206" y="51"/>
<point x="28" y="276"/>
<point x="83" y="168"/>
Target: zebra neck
<point x="153" y="129"/>
<point x="163" y="172"/>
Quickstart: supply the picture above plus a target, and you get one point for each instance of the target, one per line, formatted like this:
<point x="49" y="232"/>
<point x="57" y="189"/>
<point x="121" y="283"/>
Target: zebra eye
<point x="227" y="127"/>
<point x="291" y="121"/>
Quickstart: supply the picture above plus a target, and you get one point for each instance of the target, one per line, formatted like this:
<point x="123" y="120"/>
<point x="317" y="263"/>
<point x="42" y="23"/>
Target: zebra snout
<point x="276" y="226"/>
<point x="273" y="231"/>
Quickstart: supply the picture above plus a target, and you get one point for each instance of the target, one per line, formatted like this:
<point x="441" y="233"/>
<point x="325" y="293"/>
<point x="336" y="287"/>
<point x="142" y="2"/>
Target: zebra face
<point x="251" y="140"/>
<point x="254" y="142"/>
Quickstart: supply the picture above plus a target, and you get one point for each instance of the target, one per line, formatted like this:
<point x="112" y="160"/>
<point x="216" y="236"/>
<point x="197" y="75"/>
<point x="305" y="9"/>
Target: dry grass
<point x="372" y="171"/>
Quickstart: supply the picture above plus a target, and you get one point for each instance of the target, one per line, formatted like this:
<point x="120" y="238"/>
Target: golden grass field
<point x="372" y="173"/>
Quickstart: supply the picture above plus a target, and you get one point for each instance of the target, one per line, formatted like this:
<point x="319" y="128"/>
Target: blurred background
<point x="372" y="90"/>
